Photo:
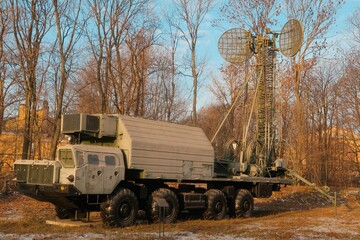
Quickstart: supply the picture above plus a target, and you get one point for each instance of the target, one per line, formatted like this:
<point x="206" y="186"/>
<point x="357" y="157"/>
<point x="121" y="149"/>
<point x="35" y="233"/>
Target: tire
<point x="121" y="210"/>
<point x="244" y="204"/>
<point x="171" y="213"/>
<point x="216" y="205"/>
<point x="63" y="213"/>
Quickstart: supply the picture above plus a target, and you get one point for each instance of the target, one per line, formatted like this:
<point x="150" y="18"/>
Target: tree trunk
<point x="63" y="53"/>
<point x="299" y="121"/>
<point x="1" y="114"/>
<point x="195" y="83"/>
<point x="26" y="133"/>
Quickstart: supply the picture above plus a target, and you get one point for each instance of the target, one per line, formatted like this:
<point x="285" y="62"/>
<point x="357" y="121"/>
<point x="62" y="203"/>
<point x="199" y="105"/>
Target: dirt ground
<point x="294" y="213"/>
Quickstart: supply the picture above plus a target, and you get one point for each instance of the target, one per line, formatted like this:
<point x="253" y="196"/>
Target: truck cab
<point x="79" y="170"/>
<point x="91" y="169"/>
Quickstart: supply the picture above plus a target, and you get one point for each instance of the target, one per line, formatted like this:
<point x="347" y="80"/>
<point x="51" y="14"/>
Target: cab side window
<point x="110" y="160"/>
<point x="93" y="159"/>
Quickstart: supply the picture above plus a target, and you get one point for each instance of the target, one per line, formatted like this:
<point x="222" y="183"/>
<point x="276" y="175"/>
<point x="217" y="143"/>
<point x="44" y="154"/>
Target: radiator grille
<point x="21" y="172"/>
<point x="39" y="174"/>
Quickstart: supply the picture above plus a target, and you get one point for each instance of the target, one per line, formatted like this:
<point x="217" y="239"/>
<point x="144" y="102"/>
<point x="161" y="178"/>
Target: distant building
<point x="11" y="138"/>
<point x="351" y="141"/>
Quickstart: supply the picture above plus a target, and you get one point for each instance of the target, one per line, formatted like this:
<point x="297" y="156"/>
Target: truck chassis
<point x="121" y="167"/>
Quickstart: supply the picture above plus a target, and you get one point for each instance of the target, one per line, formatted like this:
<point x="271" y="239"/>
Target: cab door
<point x="94" y="172"/>
<point x="111" y="172"/>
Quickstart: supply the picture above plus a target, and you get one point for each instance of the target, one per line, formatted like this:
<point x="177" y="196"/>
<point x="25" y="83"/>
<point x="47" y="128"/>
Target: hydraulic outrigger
<point x="324" y="190"/>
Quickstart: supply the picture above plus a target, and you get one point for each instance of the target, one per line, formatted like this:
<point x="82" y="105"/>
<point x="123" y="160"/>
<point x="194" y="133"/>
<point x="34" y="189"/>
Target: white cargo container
<point x="165" y="150"/>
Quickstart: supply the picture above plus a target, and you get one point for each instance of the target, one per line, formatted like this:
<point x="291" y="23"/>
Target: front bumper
<point x="65" y="196"/>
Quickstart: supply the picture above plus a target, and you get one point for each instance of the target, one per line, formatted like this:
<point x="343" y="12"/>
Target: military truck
<point x="119" y="165"/>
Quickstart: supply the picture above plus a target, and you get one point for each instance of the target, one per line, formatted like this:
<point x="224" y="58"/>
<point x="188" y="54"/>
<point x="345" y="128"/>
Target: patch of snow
<point x="332" y="229"/>
<point x="194" y="236"/>
<point x="175" y="235"/>
<point x="91" y="236"/>
<point x="333" y="225"/>
<point x="53" y="236"/>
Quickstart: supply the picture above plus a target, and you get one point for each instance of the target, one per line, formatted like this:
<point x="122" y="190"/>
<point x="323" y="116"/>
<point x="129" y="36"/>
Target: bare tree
<point x="351" y="80"/>
<point x="170" y="91"/>
<point x="67" y="25"/>
<point x="252" y="15"/>
<point x="354" y="21"/>
<point x="208" y="118"/>
<point x="349" y="110"/>
<point x="321" y="104"/>
<point x="130" y="41"/>
<point x="170" y="97"/>
<point x="191" y="14"/>
<point x="115" y="21"/>
<point x="163" y="100"/>
<point x="99" y="14"/>
<point x="316" y="18"/>
<point x="226" y="90"/>
<point x="87" y="97"/>
<point x="4" y="31"/>
<point x="30" y="24"/>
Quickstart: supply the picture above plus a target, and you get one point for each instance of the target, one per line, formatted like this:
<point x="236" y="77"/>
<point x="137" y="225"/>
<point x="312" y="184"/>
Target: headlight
<point x="71" y="178"/>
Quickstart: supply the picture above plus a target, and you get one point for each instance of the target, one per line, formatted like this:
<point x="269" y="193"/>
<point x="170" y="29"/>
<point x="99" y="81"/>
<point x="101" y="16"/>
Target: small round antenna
<point x="291" y="38"/>
<point x="235" y="45"/>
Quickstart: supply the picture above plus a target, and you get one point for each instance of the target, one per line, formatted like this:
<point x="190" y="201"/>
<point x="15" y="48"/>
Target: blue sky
<point x="209" y="36"/>
<point x="207" y="44"/>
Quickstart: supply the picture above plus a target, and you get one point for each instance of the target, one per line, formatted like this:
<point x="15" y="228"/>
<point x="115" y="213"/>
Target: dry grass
<point x="294" y="213"/>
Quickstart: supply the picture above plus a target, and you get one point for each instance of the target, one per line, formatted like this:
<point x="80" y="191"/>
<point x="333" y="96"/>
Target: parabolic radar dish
<point x="235" y="45"/>
<point x="291" y="38"/>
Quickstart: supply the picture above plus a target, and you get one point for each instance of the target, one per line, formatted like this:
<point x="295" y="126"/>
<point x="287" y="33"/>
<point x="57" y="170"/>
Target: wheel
<point x="244" y="204"/>
<point x="121" y="210"/>
<point x="171" y="213"/>
<point x="63" y="213"/>
<point x="216" y="205"/>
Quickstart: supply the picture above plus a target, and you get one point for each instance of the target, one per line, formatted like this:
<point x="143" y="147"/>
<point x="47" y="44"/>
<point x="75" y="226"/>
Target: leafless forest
<point x="122" y="56"/>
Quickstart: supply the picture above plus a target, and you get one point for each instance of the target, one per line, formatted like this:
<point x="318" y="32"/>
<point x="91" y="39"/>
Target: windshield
<point x="66" y="158"/>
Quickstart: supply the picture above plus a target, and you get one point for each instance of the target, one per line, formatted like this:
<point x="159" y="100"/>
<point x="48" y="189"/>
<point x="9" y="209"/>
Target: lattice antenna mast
<point x="238" y="45"/>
